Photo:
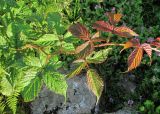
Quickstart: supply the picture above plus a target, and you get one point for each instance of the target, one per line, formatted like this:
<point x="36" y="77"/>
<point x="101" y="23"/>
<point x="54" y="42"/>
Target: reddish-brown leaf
<point x="124" y="32"/>
<point x="157" y="44"/>
<point x="131" y="43"/>
<point x="79" y="31"/>
<point x="135" y="58"/>
<point x="103" y="26"/>
<point x="147" y="48"/>
<point x="121" y="31"/>
<point x="114" y="18"/>
<point x="81" y="47"/>
<point x="158" y="39"/>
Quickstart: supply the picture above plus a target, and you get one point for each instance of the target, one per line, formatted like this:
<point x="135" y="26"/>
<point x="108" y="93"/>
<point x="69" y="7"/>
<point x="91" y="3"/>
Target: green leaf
<point x="33" y="61"/>
<point x="99" y="56"/>
<point x="47" y="40"/>
<point x="67" y="35"/>
<point x="142" y="109"/>
<point x="67" y="47"/>
<point x="2" y="104"/>
<point x="3" y="41"/>
<point x="6" y="86"/>
<point x="31" y="91"/>
<point x="56" y="82"/>
<point x="95" y="83"/>
<point x="158" y="109"/>
<point x="54" y="22"/>
<point x="12" y="102"/>
<point x="53" y="8"/>
<point x="27" y="77"/>
<point x="76" y="71"/>
<point x="9" y="30"/>
<point x="149" y="104"/>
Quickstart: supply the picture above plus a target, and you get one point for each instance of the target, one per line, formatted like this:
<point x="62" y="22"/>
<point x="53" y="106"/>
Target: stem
<point x="155" y="49"/>
<point x="109" y="44"/>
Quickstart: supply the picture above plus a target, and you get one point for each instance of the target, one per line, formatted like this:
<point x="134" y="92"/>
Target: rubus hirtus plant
<point x="87" y="53"/>
<point x="32" y="44"/>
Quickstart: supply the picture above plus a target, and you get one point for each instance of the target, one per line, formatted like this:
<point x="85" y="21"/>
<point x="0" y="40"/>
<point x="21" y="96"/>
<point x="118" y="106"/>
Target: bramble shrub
<point x="91" y="56"/>
<point x="34" y="37"/>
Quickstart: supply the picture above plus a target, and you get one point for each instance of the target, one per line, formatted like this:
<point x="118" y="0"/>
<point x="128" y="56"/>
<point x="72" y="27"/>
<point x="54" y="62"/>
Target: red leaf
<point x="121" y="31"/>
<point x="157" y="44"/>
<point x="158" y="39"/>
<point x="147" y="49"/>
<point x="103" y="26"/>
<point x="124" y="32"/>
<point x="79" y="31"/>
<point x="135" y="58"/>
<point x="114" y="18"/>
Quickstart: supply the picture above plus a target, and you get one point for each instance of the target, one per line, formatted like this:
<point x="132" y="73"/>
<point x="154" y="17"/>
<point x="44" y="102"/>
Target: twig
<point x="109" y="44"/>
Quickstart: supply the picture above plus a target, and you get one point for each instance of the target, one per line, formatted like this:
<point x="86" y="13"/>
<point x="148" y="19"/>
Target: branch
<point x="27" y="46"/>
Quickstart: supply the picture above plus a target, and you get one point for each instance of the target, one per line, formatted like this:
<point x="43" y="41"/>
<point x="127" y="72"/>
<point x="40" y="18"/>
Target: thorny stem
<point x="32" y="46"/>
<point x="109" y="44"/>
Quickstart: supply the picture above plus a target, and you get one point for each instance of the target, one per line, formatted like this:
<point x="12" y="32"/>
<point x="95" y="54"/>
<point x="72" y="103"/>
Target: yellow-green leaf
<point x="76" y="71"/>
<point x="95" y="83"/>
<point x="56" y="82"/>
<point x="31" y="91"/>
<point x="99" y="56"/>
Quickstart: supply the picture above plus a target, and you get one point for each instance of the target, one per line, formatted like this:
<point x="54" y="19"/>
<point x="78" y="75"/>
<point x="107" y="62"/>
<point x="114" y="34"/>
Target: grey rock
<point x="80" y="100"/>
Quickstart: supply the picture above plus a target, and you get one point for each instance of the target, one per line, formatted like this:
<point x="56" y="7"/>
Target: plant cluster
<point x="91" y="56"/>
<point x="35" y="38"/>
